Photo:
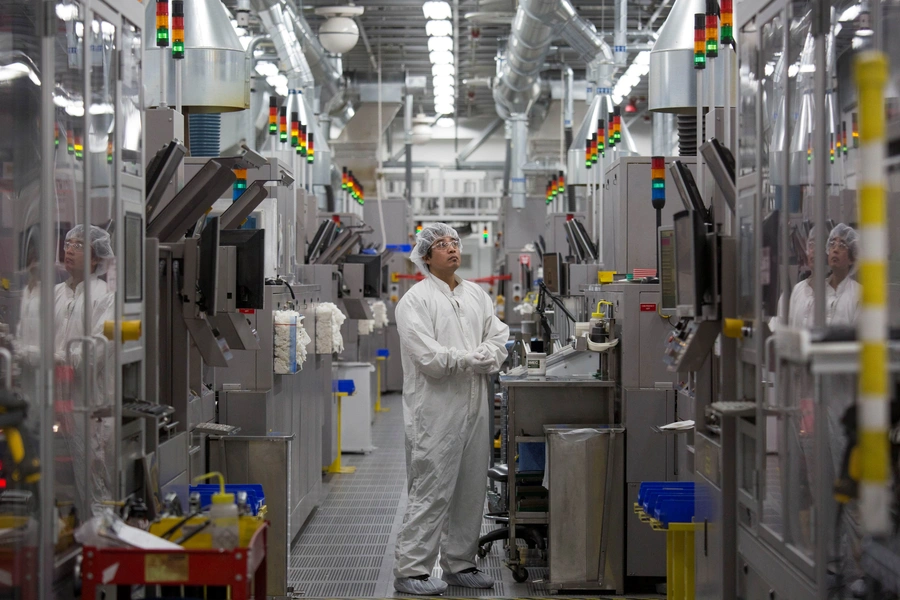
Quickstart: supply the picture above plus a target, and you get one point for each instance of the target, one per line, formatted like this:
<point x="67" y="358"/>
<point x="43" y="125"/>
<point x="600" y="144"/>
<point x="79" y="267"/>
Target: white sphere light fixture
<point x="444" y="90"/>
<point x="443" y="109"/>
<point x="339" y="33"/>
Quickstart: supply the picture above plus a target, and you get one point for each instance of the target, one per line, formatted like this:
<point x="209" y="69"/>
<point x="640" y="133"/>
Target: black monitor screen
<point x="684" y="259"/>
<point x="667" y="272"/>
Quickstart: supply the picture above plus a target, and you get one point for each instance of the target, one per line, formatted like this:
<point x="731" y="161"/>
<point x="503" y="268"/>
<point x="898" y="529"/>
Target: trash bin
<point x="586" y="478"/>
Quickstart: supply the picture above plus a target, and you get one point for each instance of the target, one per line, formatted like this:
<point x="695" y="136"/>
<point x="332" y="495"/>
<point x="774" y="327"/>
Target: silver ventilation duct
<point x="673" y="80"/>
<point x="326" y="70"/>
<point x="277" y="22"/>
<point x="215" y="72"/>
<point x="536" y="24"/>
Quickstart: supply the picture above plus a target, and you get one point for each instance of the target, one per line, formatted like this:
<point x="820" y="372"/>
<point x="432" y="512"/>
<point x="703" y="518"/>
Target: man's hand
<point x="478" y="362"/>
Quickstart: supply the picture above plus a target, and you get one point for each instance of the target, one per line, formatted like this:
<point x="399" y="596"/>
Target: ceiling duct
<point x="536" y="24"/>
<point x="358" y="143"/>
<point x="673" y="79"/>
<point x="209" y="39"/>
<point x="326" y="70"/>
<point x="277" y="22"/>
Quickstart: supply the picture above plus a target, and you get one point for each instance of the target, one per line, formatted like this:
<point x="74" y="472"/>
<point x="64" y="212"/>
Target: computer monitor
<point x="371" y="272"/>
<point x="251" y="262"/>
<point x="687" y="188"/>
<point x="692" y="267"/>
<point x="160" y="171"/>
<point x="667" y="272"/>
<point x="721" y="164"/>
<point x="553" y="273"/>
<point x="208" y="269"/>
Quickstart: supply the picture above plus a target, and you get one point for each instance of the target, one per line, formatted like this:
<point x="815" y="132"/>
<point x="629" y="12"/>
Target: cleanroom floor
<point x="346" y="549"/>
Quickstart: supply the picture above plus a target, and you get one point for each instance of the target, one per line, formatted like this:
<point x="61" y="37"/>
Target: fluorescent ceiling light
<point x="444" y="90"/>
<point x="643" y="58"/>
<point x="445" y="122"/>
<point x="266" y="69"/>
<point x="617" y="100"/>
<point x="442" y="80"/>
<point x="443" y="109"/>
<point x="439" y="28"/>
<point x="437" y="9"/>
<point x="438" y="70"/>
<point x="102" y="109"/>
<point x="443" y="99"/>
<point x="441" y="58"/>
<point x="67" y="12"/>
<point x="439" y="44"/>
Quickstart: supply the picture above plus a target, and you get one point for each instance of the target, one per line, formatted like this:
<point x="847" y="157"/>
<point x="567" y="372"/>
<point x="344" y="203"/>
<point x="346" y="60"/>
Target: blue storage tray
<point x="256" y="499"/>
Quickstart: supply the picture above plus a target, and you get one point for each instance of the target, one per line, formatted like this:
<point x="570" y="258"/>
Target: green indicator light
<point x="178" y="50"/>
<point x="283" y="136"/>
<point x="712" y="47"/>
<point x="699" y="60"/>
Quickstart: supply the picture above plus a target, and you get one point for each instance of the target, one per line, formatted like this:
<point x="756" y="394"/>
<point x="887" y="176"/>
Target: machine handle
<point x="7" y="376"/>
<point x="131" y="330"/>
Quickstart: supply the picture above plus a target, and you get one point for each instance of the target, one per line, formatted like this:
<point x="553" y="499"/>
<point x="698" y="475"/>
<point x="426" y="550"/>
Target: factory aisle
<point x="347" y="548"/>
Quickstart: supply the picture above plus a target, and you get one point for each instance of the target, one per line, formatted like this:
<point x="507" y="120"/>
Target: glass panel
<point x="133" y="257"/>
<point x="71" y="373"/>
<point x="20" y="261"/>
<point x="749" y="88"/>
<point x="131" y="123"/>
<point x="99" y="305"/>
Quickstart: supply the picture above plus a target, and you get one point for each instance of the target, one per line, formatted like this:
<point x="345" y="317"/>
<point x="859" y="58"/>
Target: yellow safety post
<point x="335" y="466"/>
<point x="872" y="402"/>
<point x="383" y="354"/>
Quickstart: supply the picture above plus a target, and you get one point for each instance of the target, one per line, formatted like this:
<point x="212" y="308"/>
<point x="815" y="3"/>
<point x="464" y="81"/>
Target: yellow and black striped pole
<point x="872" y="403"/>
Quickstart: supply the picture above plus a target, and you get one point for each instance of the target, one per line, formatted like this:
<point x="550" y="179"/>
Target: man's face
<point x="838" y="254"/>
<point x="444" y="254"/>
<point x="75" y="257"/>
<point x="811" y="256"/>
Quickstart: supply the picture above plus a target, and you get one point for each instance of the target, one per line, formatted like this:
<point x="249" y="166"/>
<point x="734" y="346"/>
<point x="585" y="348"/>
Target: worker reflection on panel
<point x="450" y="341"/>
<point x="842" y="298"/>
<point x="86" y="434"/>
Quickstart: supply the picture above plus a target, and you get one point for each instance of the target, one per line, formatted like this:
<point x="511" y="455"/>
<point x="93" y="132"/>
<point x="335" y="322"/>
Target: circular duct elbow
<point x="214" y="71"/>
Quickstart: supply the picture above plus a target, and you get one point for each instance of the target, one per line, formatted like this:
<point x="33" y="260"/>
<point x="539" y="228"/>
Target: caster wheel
<point x="483" y="551"/>
<point x="520" y="574"/>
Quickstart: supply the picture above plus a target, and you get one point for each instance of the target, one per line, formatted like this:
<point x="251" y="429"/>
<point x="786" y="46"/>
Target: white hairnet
<point x="849" y="236"/>
<point x="101" y="245"/>
<point x="426" y="238"/>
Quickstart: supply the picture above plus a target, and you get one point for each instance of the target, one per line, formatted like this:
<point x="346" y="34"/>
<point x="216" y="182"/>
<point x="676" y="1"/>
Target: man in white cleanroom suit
<point x="450" y="341"/>
<point x="90" y="441"/>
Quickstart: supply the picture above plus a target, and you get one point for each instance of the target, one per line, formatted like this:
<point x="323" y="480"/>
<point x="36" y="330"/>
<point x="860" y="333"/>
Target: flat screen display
<point x="684" y="259"/>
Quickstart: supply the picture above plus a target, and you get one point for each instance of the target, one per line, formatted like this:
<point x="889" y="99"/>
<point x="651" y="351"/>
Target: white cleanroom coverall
<point x="446" y="415"/>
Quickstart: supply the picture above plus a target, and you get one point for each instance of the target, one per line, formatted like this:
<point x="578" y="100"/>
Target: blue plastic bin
<point x="256" y="499"/>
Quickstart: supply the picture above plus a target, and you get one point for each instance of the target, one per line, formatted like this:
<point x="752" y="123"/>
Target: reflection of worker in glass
<point x="78" y="426"/>
<point x="842" y="293"/>
<point x="450" y="341"/>
<point x="70" y="295"/>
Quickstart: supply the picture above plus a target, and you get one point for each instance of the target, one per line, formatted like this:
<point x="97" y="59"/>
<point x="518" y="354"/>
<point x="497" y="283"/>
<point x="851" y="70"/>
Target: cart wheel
<point x="520" y="574"/>
<point x="484" y="551"/>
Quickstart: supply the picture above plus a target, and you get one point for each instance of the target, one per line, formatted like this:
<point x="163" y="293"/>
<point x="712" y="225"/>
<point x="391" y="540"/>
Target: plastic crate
<point x="256" y="499"/>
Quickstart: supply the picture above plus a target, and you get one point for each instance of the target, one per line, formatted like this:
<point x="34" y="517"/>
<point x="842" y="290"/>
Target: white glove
<point x="478" y="363"/>
<point x="484" y="352"/>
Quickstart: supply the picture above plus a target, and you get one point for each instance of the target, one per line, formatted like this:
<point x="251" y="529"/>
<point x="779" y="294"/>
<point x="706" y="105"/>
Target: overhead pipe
<point x="536" y="24"/>
<point x="326" y="72"/>
<point x="277" y="23"/>
<point x="519" y="125"/>
<point x="620" y="38"/>
<point x="568" y="118"/>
